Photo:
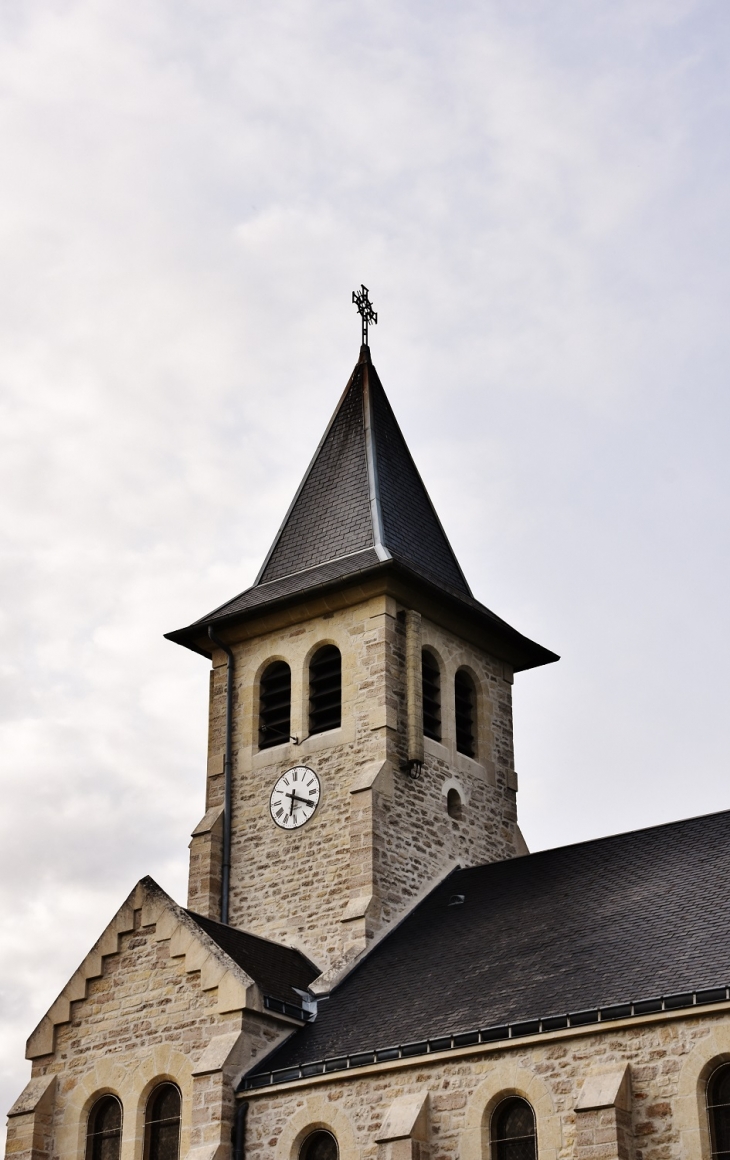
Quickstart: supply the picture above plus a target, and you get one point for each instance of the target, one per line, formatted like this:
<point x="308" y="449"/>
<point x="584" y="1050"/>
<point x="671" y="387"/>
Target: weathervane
<point x="365" y="310"/>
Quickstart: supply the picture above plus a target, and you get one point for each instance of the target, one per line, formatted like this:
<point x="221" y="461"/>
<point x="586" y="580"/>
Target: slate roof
<point x="361" y="510"/>
<point x="604" y="922"/>
<point x="362" y="490"/>
<point x="277" y="969"/>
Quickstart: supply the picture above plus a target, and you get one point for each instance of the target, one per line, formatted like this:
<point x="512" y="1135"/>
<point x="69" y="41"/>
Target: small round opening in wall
<point x="453" y="805"/>
<point x="319" y="1146"/>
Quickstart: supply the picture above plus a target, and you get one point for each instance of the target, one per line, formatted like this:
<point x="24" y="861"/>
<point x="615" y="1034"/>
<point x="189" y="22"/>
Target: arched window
<point x="325" y="689"/>
<point x="453" y="805"/>
<point x="465" y="699"/>
<point x="104" y="1130"/>
<point x="319" y="1146"/>
<point x="431" y="680"/>
<point x="718" y="1108"/>
<point x="275" y="705"/>
<point x="162" y="1124"/>
<point x="513" y="1131"/>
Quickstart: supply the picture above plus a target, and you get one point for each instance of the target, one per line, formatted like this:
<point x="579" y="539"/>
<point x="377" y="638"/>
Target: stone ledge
<point x="37" y="1095"/>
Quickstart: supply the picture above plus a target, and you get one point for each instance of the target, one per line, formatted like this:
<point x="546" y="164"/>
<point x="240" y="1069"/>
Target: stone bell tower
<point x="413" y="767"/>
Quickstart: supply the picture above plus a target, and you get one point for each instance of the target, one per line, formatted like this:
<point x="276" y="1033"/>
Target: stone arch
<point x="270" y="659"/>
<point x="453" y="785"/>
<point x="690" y="1113"/>
<point x="437" y="655"/>
<point x="317" y="1112"/>
<point x="322" y="642"/>
<point x="90" y="1100"/>
<point x="131" y="1080"/>
<point x="507" y="1078"/>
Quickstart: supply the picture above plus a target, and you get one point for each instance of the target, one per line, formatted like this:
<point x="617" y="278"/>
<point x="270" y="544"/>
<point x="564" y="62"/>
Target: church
<point x="370" y="964"/>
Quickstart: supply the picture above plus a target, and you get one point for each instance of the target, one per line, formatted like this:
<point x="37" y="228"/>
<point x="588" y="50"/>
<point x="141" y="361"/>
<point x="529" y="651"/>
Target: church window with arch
<point x="512" y="1131"/>
<point x="162" y="1123"/>
<point x="319" y="1145"/>
<point x="465" y="704"/>
<point x="431" y="686"/>
<point x="275" y="705"/>
<point x="104" y="1130"/>
<point x="718" y="1108"/>
<point x="325" y="689"/>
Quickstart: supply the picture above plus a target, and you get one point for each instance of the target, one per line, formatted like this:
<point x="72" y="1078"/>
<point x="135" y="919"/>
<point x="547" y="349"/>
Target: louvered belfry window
<point x="513" y="1131"/>
<point x="431" y="677"/>
<point x="325" y="689"/>
<point x="718" y="1107"/>
<point x="465" y="706"/>
<point x="275" y="705"/>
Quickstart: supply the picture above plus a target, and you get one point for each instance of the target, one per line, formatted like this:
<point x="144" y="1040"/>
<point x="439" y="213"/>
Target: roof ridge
<point x="604" y="838"/>
<point x="371" y="456"/>
<point x="412" y="463"/>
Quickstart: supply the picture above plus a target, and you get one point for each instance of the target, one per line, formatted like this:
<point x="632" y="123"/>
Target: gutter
<point x="679" y="1005"/>
<point x="226" y="867"/>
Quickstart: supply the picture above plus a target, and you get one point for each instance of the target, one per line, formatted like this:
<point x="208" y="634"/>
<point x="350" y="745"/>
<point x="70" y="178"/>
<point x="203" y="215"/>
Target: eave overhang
<point x="466" y="618"/>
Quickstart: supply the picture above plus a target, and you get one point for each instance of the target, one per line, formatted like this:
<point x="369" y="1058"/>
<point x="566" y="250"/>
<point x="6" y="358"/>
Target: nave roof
<point x="575" y="929"/>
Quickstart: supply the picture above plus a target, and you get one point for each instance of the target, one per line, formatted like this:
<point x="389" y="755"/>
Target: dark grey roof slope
<point x="603" y="922"/>
<point x="411" y="530"/>
<point x="362" y="491"/>
<point x="362" y="511"/>
<point x="330" y="517"/>
<point x="277" y="969"/>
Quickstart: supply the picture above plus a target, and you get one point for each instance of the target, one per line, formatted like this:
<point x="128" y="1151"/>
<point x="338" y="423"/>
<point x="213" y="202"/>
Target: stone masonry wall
<point x="293" y="886"/>
<point x="669" y="1062"/>
<point x="416" y="839"/>
<point x="368" y="852"/>
<point x="144" y="1019"/>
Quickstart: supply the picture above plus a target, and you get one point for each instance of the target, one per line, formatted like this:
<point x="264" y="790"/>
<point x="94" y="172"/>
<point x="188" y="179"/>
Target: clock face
<point x="295" y="797"/>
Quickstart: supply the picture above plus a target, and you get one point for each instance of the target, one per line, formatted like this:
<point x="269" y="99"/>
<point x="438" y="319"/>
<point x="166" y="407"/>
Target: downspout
<point x="226" y="868"/>
<point x="239" y="1131"/>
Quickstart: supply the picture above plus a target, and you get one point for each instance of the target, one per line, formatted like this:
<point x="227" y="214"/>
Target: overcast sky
<point x="537" y="195"/>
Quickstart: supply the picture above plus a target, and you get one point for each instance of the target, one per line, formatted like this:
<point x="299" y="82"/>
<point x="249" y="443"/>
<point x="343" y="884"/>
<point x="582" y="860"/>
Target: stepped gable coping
<point x="186" y="939"/>
<point x="596" y="928"/>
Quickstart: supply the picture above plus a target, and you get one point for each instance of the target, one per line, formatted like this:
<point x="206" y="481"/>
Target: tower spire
<point x="362" y="513"/>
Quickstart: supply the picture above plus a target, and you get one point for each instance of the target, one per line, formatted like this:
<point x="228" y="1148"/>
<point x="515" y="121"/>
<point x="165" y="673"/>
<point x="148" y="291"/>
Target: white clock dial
<point x="295" y="797"/>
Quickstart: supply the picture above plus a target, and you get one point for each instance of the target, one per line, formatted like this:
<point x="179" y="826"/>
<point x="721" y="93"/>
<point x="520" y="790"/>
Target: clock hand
<point x="295" y="798"/>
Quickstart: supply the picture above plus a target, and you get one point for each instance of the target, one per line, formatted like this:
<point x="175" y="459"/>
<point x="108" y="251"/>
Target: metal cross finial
<point x="365" y="310"/>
